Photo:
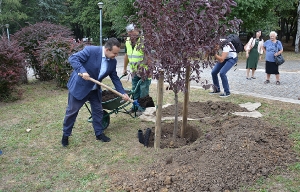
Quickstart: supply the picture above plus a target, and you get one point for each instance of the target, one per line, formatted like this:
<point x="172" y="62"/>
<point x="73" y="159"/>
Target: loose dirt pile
<point x="143" y="102"/>
<point x="108" y="95"/>
<point x="223" y="152"/>
<point x="198" y="110"/>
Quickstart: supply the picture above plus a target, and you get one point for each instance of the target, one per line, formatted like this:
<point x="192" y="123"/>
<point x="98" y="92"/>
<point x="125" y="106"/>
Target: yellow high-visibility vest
<point x="134" y="55"/>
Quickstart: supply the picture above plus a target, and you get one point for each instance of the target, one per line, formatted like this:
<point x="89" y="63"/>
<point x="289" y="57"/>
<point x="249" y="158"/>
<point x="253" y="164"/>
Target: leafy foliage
<point x="10" y="10"/>
<point x="255" y="14"/>
<point x="31" y="37"/>
<point x="177" y="32"/>
<point x="263" y="14"/>
<point x="43" y="10"/>
<point x="177" y="35"/>
<point x="84" y="18"/>
<point x="50" y="10"/>
<point x="117" y="12"/>
<point x="54" y="54"/>
<point x="12" y="69"/>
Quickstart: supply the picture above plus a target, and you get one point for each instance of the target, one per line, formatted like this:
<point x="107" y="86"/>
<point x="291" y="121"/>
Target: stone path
<point x="288" y="91"/>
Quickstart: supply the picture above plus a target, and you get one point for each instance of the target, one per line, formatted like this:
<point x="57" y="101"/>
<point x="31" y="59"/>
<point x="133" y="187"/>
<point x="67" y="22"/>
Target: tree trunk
<point x="185" y="102"/>
<point x="282" y="31"/>
<point x="298" y="30"/>
<point x="175" y="130"/>
<point x="176" y="117"/>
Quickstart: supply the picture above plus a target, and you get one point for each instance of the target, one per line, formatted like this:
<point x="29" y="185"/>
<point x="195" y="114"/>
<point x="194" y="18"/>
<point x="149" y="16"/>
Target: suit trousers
<point x="74" y="105"/>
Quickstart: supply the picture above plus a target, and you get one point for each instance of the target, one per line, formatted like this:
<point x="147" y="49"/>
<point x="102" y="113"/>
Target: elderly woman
<point x="272" y="48"/>
<point x="253" y="51"/>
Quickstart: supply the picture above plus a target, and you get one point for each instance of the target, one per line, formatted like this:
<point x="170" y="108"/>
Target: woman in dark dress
<point x="253" y="51"/>
<point x="272" y="48"/>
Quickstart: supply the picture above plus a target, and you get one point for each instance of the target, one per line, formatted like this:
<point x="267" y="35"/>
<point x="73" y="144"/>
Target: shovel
<point x="134" y="102"/>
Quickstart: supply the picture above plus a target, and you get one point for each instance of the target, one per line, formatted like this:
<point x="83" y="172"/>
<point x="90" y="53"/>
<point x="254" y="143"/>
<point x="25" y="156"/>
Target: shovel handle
<point x="107" y="87"/>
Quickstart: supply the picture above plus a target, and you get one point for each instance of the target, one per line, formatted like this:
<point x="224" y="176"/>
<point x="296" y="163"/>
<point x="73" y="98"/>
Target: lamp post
<point x="100" y="5"/>
<point x="7" y="26"/>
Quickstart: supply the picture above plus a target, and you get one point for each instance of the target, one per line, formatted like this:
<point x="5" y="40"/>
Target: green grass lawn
<point x="36" y="161"/>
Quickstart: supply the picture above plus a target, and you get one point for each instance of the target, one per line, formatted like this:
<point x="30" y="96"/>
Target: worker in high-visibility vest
<point x="133" y="55"/>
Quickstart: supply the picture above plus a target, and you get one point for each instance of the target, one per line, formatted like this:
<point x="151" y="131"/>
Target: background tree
<point x="298" y="30"/>
<point x="43" y="10"/>
<point x="117" y="13"/>
<point x="10" y="13"/>
<point x="83" y="17"/>
<point x="286" y="12"/>
<point x="267" y="15"/>
<point x="179" y="31"/>
<point x="30" y="8"/>
<point x="255" y="14"/>
<point x="50" y="10"/>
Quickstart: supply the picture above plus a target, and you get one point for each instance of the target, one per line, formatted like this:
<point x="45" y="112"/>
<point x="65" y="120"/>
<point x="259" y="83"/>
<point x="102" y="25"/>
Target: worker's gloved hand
<point x="136" y="103"/>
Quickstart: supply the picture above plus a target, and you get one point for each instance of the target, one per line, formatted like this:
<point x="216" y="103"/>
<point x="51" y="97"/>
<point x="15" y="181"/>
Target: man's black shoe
<point x="103" y="138"/>
<point x="65" y="141"/>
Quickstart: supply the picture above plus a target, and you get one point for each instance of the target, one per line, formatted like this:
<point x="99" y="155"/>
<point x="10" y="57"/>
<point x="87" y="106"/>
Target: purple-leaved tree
<point x="177" y="36"/>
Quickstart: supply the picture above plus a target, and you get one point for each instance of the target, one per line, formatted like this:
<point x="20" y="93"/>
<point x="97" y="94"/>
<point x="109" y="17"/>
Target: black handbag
<point x="279" y="60"/>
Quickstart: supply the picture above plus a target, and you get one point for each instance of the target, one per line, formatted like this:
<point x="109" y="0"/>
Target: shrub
<point x="54" y="54"/>
<point x="31" y="37"/>
<point x="12" y="69"/>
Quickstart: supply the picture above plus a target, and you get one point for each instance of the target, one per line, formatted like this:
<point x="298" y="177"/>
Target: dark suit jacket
<point x="89" y="60"/>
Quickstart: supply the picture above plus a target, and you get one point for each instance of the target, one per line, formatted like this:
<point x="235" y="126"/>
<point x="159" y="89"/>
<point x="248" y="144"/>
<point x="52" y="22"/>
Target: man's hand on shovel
<point x="86" y="76"/>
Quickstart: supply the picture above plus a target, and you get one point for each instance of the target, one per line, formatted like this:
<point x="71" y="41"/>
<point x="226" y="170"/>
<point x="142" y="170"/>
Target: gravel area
<point x="288" y="90"/>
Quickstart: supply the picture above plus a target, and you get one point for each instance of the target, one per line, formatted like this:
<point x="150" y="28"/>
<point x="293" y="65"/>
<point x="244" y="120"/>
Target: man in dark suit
<point x="95" y="62"/>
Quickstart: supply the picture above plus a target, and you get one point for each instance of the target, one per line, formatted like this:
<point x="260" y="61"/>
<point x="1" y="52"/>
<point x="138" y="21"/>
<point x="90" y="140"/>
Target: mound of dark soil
<point x="144" y="102"/>
<point x="234" y="151"/>
<point x="204" y="109"/>
<point x="108" y="95"/>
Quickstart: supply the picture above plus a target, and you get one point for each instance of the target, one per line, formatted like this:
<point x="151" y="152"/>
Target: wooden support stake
<point x="160" y="88"/>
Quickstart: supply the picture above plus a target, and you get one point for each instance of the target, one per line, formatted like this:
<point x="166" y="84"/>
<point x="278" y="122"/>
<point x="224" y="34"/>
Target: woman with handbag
<point x="254" y="51"/>
<point x="272" y="48"/>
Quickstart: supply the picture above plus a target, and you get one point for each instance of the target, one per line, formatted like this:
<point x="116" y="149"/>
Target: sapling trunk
<point x="176" y="116"/>
<point x="176" y="111"/>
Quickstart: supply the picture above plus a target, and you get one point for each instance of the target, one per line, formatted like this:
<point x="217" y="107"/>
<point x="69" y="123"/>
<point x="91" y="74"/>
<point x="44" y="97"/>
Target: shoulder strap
<point x="276" y="45"/>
